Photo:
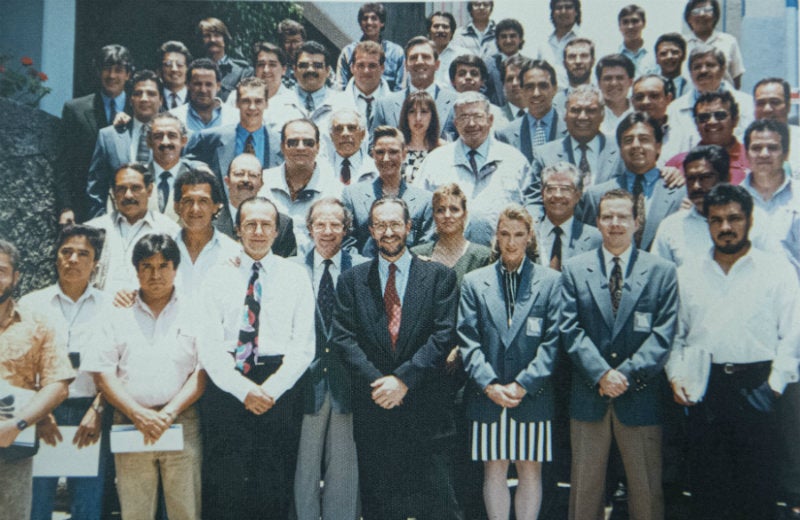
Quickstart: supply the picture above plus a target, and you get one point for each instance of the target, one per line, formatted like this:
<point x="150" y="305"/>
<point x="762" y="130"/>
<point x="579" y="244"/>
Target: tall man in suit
<point x="639" y="140"/>
<point x="215" y="38"/>
<point x="394" y="324"/>
<point x="326" y="437"/>
<point x="619" y="312"/>
<point x="118" y="145"/>
<point x="81" y="120"/>
<point x="542" y="123"/>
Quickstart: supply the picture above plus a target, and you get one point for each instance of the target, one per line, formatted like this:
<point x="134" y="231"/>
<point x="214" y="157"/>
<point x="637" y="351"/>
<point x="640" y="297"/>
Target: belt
<point x="735" y="368"/>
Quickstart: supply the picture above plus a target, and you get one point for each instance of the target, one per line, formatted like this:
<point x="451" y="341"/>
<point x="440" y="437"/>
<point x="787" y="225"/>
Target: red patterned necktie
<point x="391" y="302"/>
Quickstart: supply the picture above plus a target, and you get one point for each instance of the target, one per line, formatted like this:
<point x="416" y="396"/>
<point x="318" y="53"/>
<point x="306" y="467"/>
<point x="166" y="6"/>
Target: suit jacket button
<point x="327" y="350"/>
<point x="325" y="369"/>
<point x="614" y="355"/>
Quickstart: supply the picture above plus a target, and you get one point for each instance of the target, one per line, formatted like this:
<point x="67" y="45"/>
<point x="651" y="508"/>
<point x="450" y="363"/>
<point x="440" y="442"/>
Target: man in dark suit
<point x="389" y="152"/>
<point x="619" y="314"/>
<point x="244" y="180"/>
<point x="118" y="145"/>
<point x="326" y="438"/>
<point x="218" y="146"/>
<point x="215" y="38"/>
<point x="542" y="123"/>
<point x="81" y="120"/>
<point x="394" y="324"/>
<point x="639" y="139"/>
<point x="422" y="62"/>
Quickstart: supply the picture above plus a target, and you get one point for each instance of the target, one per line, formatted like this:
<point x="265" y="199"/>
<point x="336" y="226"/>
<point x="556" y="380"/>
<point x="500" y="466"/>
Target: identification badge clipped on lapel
<point x="534" y="327"/>
<point x="642" y="321"/>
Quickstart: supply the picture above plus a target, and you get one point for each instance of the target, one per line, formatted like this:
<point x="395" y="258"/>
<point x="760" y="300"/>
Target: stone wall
<point x="28" y="151"/>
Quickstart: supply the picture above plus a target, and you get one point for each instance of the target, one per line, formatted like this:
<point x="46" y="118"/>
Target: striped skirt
<point x="508" y="439"/>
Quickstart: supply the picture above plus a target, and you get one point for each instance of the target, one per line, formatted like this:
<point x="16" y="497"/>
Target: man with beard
<point x="393" y="325"/>
<point x="244" y="180"/>
<point x="204" y="110"/>
<point x="174" y="57"/>
<point x="732" y="430"/>
<point x="215" y="38"/>
<point x="30" y="358"/>
<point x="578" y="62"/>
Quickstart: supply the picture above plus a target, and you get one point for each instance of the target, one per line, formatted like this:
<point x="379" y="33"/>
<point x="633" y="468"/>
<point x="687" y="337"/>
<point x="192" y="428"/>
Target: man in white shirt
<point x="754" y="355"/>
<point x="150" y="372"/>
<point x="204" y="109"/>
<point x="166" y="136"/>
<point x="441" y="29"/>
<point x="367" y="85"/>
<point x="174" y="57"/>
<point x="772" y="97"/>
<point x="258" y="339"/>
<point x="350" y="158"/>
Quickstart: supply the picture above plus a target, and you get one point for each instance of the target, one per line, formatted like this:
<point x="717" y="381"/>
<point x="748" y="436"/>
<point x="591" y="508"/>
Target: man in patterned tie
<point x="393" y="325"/>
<point x="258" y="339"/>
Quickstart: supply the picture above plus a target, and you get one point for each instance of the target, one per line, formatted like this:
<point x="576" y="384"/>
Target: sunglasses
<point x="719" y="115"/>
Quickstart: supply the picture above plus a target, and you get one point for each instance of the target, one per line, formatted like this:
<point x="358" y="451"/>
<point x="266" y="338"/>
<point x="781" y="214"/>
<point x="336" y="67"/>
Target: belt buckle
<point x="728" y="368"/>
<point x="255" y="361"/>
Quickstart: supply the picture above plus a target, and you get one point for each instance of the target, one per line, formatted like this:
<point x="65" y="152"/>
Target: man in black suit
<point x="81" y="120"/>
<point x="215" y="38"/>
<point x="394" y="323"/>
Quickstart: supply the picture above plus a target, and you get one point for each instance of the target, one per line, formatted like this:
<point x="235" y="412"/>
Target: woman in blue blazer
<point x="508" y="334"/>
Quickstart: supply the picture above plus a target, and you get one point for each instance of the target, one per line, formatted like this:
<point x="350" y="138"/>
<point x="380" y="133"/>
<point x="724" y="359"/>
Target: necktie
<point x="472" y="162"/>
<point x="391" y="303"/>
<point x="615" y="285"/>
<point x="163" y="190"/>
<point x="670" y="88"/>
<point x="555" y="254"/>
<point x="369" y="101"/>
<point x="112" y="111"/>
<point x="520" y="112"/>
<point x="142" y="151"/>
<point x="174" y="100"/>
<point x="247" y="346"/>
<point x="250" y="144"/>
<point x="583" y="166"/>
<point x="225" y="68"/>
<point x="345" y="173"/>
<point x="326" y="298"/>
<point x="641" y="211"/>
<point x="539" y="135"/>
<point x="309" y="103"/>
<point x="510" y="286"/>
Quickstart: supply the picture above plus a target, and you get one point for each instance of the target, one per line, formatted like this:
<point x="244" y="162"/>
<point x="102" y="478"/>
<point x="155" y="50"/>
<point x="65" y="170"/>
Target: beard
<point x="5" y="295"/>
<point x="391" y="251"/>
<point x="732" y="248"/>
<point x="579" y="80"/>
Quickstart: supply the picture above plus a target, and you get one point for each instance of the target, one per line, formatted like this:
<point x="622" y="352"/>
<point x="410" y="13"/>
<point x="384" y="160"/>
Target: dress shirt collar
<point x="119" y="102"/>
<point x="318" y="96"/>
<point x="517" y="271"/>
<point x="319" y="260"/>
<point x="650" y="178"/>
<point x="141" y="306"/>
<point x="314" y="183"/>
<point x="355" y="162"/>
<point x="89" y="294"/>
<point x="119" y="219"/>
<point x="624" y="257"/>
<point x="377" y="187"/>
<point x="431" y="89"/>
<point x="786" y="185"/>
<point x="547" y="228"/>
<point x="403" y="264"/>
<point x="481" y="157"/>
<point x="592" y="146"/>
<point x="246" y="262"/>
<point x="383" y="88"/>
<point x="180" y="94"/>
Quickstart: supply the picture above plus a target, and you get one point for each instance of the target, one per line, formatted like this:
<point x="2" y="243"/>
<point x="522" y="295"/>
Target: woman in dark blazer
<point x="508" y="333"/>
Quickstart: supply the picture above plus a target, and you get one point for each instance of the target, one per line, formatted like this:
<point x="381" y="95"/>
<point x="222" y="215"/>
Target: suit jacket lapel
<point x="524" y="136"/>
<point x="597" y="280"/>
<point x="96" y="118"/>
<point x="379" y="319"/>
<point x="225" y="152"/>
<point x="410" y="313"/>
<point x="526" y="297"/>
<point x="659" y="207"/>
<point x="632" y="289"/>
<point x="122" y="142"/>
<point x="566" y="145"/>
<point x="495" y="300"/>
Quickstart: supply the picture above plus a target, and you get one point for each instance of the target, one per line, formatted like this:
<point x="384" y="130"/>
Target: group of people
<point x="368" y="286"/>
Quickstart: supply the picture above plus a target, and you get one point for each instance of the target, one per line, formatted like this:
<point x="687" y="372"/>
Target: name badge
<point x="642" y="321"/>
<point x="534" y="327"/>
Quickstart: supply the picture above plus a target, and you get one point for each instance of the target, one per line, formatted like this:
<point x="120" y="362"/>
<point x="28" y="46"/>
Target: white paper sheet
<point x="66" y="459"/>
<point x="126" y="438"/>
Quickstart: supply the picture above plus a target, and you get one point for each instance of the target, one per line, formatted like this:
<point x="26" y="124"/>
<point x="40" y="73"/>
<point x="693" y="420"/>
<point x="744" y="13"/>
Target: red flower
<point x="42" y="76"/>
<point x="26" y="60"/>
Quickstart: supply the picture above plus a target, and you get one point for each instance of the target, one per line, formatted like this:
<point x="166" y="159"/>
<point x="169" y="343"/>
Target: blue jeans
<point x="86" y="492"/>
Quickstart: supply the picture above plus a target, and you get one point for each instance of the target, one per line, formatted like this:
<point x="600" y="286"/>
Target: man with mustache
<point x="393" y="325"/>
<point x="441" y="29"/>
<point x="204" y="109"/>
<point x="244" y="180"/>
<point x="578" y="61"/>
<point x="214" y="37"/>
<point x="753" y="360"/>
<point x="131" y="219"/>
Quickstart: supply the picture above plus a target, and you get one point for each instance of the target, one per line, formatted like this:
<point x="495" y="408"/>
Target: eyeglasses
<point x="239" y="174"/>
<point x="322" y="226"/>
<point x="173" y="63"/>
<point x="556" y="189"/>
<point x="395" y="226"/>
<point x="303" y="65"/>
<point x="702" y="179"/>
<point x="466" y="118"/>
<point x="697" y="11"/>
<point x="253" y="226"/>
<point x="136" y="189"/>
<point x="294" y="143"/>
<point x="719" y="115"/>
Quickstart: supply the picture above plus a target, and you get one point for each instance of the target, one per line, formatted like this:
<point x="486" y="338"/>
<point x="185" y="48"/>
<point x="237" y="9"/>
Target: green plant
<point x="253" y="21"/>
<point x="22" y="84"/>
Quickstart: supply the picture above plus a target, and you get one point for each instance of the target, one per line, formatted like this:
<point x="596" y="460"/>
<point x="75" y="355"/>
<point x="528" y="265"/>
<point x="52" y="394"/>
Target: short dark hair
<point x="203" y="64"/>
<point x="444" y="14"/>
<point x="95" y="236"/>
<point x="420" y="97"/>
<point x="540" y="65"/>
<point x="659" y="77"/>
<point x="509" y="24"/>
<point x="420" y="40"/>
<point x="253" y="200"/>
<point x="716" y="155"/>
<point x="691" y="4"/>
<point x="518" y="61"/>
<point x="347" y="221"/>
<point x="270" y="48"/>
<point x="387" y="131"/>
<point x="616" y="194"/>
<point x="9" y="249"/>
<point x="153" y="244"/>
<point x="307" y="121"/>
<point x="631" y="10"/>
<point x="723" y="194"/>
<point x="137" y="167"/>
<point x="579" y="41"/>
<point x="768" y="125"/>
<point x="672" y="37"/>
<point x="214" y="25"/>
<point x="723" y="96"/>
<point x="575" y="4"/>
<point x="195" y="176"/>
<point x="289" y="27"/>
<point x="468" y="60"/>
<point x="635" y="118"/>
<point x="615" y="60"/>
<point x="469" y="6"/>
<point x="372" y="7"/>
<point x="147" y="75"/>
<point x="174" y="46"/>
<point x="252" y="82"/>
<point x="312" y="47"/>
<point x="390" y="200"/>
<point x="787" y="89"/>
<point x="113" y="54"/>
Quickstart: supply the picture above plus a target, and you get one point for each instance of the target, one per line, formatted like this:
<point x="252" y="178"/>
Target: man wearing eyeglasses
<point x="491" y="173"/>
<point x="294" y="185"/>
<point x="393" y="325"/>
<point x="174" y="58"/>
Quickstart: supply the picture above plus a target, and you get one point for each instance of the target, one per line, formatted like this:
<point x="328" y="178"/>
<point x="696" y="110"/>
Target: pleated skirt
<point x="508" y="439"/>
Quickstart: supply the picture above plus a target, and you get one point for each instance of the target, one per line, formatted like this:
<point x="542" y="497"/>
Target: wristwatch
<point x="22" y="424"/>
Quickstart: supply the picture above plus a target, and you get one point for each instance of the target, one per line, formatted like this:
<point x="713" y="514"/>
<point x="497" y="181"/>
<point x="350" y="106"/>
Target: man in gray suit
<point x="619" y="313"/>
<point x="639" y="138"/>
<point x="542" y="123"/>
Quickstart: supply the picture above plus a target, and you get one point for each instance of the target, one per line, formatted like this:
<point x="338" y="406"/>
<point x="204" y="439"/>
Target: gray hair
<point x="362" y="120"/>
<point x="704" y="50"/>
<point x="584" y="91"/>
<point x="468" y="98"/>
<point x="564" y="168"/>
<point x="164" y="115"/>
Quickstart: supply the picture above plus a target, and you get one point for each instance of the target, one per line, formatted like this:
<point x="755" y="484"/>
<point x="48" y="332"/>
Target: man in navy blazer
<point x="422" y="62"/>
<point x="216" y="39"/>
<point x="619" y="309"/>
<point x="218" y="146"/>
<point x="639" y="138"/>
<point x="393" y="325"/>
<point x="537" y="80"/>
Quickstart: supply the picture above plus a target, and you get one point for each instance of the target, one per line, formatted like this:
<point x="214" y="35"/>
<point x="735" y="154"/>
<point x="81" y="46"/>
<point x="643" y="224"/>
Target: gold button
<point x="614" y="355"/>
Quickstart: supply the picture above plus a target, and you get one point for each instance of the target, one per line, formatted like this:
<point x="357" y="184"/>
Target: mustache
<point x="165" y="147"/>
<point x="310" y="74"/>
<point x="727" y="234"/>
<point x="130" y="202"/>
<point x="245" y="185"/>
